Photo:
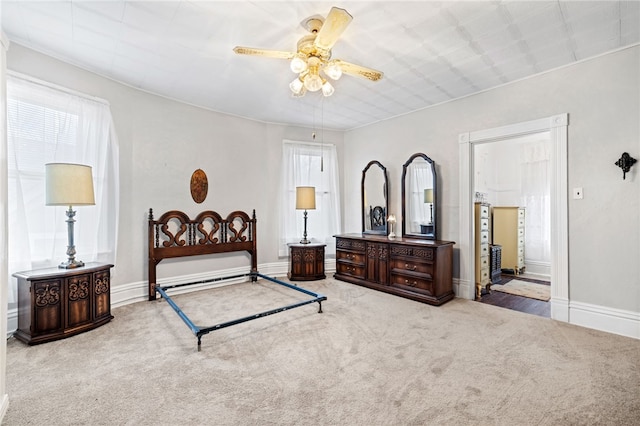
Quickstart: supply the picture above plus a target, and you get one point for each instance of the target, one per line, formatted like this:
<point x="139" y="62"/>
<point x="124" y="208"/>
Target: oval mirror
<point x="419" y="198"/>
<point x="375" y="198"/>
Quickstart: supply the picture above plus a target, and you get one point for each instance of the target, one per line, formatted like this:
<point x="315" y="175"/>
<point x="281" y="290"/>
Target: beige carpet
<point x="525" y="289"/>
<point x="370" y="359"/>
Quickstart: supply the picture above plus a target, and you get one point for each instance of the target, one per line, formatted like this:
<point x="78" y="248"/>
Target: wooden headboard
<point x="174" y="235"/>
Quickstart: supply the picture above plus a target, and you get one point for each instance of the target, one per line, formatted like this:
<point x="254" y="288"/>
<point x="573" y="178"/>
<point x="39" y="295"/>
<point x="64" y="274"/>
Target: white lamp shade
<point x="68" y="185"/>
<point x="305" y="198"/>
<point x="428" y="195"/>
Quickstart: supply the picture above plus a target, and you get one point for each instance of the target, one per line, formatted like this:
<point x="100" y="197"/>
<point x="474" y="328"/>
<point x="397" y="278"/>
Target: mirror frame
<point x="405" y="166"/>
<point x="386" y="199"/>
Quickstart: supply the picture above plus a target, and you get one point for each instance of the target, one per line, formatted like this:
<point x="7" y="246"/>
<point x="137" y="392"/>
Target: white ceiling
<point x="430" y="52"/>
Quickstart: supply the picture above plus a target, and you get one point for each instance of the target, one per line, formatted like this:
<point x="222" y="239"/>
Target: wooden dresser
<point x="414" y="268"/>
<point x="508" y="232"/>
<point x="56" y="303"/>
<point x="482" y="232"/>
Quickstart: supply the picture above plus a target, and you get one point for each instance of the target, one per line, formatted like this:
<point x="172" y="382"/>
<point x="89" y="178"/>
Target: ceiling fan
<point x="312" y="60"/>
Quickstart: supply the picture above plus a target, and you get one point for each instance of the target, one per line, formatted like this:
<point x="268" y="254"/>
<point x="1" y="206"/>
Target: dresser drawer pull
<point x="410" y="267"/>
<point x="411" y="283"/>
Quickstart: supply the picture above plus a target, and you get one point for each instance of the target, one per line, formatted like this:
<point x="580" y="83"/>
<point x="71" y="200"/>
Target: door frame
<point x="557" y="126"/>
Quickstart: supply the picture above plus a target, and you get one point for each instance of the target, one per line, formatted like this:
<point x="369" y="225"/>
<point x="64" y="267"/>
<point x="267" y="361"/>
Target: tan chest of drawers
<point x="482" y="232"/>
<point x="508" y="232"/>
<point x="417" y="269"/>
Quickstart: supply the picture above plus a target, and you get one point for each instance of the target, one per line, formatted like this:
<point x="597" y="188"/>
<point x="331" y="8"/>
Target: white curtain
<point x="51" y="124"/>
<point x="309" y="164"/>
<point x="535" y="172"/>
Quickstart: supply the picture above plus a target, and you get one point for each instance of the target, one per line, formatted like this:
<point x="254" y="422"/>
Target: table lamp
<point x="391" y="220"/>
<point x="305" y="200"/>
<point x="428" y="198"/>
<point x="69" y="185"/>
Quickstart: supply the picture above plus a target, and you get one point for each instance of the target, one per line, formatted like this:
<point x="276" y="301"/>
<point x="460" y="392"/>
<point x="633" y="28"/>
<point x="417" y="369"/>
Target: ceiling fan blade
<point x="358" y="70"/>
<point x="267" y="53"/>
<point x="335" y="23"/>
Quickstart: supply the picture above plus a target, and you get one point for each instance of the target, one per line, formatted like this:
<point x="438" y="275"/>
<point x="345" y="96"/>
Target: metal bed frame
<point x="175" y="235"/>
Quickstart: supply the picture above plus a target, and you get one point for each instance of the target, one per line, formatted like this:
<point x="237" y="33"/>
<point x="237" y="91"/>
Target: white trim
<point x="4" y="406"/>
<point x="616" y="321"/>
<point x="53" y="86"/>
<point x="290" y="142"/>
<point x="557" y="127"/>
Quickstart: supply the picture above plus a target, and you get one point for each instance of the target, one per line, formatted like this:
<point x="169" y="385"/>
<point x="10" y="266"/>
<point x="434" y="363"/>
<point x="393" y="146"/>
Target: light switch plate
<point x="577" y="193"/>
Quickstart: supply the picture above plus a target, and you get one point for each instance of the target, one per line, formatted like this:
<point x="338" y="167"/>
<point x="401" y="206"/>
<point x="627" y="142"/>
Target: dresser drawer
<point x="483" y="211"/>
<point x="484" y="262"/>
<point x="409" y="252"/>
<point x="350" y="269"/>
<point x="483" y="224"/>
<point x="484" y="275"/>
<point x="350" y="257"/>
<point x="483" y="250"/>
<point x="400" y="265"/>
<point x="419" y="284"/>
<point x="350" y="245"/>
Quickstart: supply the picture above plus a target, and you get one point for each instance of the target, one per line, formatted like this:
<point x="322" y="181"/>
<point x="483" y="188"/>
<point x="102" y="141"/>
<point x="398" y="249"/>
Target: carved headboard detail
<point x="174" y="234"/>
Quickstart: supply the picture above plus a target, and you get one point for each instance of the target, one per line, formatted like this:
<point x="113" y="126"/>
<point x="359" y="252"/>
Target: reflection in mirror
<point x="375" y="198"/>
<point x="419" y="198"/>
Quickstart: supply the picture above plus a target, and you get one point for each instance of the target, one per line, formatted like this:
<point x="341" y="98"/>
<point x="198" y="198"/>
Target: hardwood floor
<point x="517" y="303"/>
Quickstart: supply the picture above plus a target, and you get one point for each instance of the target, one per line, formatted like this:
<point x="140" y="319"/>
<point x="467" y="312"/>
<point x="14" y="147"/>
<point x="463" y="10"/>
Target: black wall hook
<point x="625" y="162"/>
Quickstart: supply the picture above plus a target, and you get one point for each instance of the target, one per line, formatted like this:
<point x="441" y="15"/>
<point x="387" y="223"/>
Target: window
<point x="309" y="164"/>
<point x="47" y="124"/>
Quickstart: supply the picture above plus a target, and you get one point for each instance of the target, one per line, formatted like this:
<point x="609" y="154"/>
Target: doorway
<point x="512" y="178"/>
<point x="556" y="126"/>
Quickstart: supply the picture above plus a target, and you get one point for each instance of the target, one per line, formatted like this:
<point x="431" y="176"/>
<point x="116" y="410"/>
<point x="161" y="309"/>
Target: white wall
<point x="162" y="142"/>
<point x="602" y="98"/>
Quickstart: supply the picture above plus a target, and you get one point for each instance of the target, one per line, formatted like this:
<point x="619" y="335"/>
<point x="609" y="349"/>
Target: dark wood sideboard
<point x="414" y="268"/>
<point x="56" y="303"/>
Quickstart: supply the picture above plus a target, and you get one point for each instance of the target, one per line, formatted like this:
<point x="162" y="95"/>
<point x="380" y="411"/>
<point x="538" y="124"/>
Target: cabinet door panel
<point x="102" y="292"/>
<point x="78" y="298"/>
<point x="47" y="307"/>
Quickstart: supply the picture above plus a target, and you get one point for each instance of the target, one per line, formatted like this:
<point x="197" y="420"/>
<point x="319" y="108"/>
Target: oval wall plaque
<point x="199" y="186"/>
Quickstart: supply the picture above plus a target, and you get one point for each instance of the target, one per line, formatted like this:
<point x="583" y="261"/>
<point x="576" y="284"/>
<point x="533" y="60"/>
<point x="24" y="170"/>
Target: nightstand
<point x="57" y="303"/>
<point x="307" y="262"/>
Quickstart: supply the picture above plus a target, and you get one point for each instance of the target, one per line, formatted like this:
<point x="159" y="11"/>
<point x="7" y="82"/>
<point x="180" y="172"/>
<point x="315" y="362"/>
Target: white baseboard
<point x="616" y="321"/>
<point x="559" y="309"/>
<point x="539" y="269"/>
<point x="464" y="289"/>
<point x="5" y="406"/>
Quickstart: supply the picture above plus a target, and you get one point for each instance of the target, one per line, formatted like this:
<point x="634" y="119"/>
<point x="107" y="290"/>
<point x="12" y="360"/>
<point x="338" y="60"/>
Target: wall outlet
<point x="577" y="194"/>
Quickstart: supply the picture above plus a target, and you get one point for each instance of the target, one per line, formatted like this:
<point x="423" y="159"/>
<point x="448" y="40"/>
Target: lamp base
<point x="304" y="241"/>
<point x="71" y="264"/>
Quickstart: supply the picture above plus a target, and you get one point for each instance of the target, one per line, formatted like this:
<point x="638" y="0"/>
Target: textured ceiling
<point x="430" y="52"/>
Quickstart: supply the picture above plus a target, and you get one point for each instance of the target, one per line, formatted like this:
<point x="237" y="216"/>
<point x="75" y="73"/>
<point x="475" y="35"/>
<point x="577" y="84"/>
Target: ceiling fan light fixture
<point x="313" y="82"/>
<point x="327" y="89"/>
<point x="298" y="63"/>
<point x="297" y="87"/>
<point x="333" y="70"/>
